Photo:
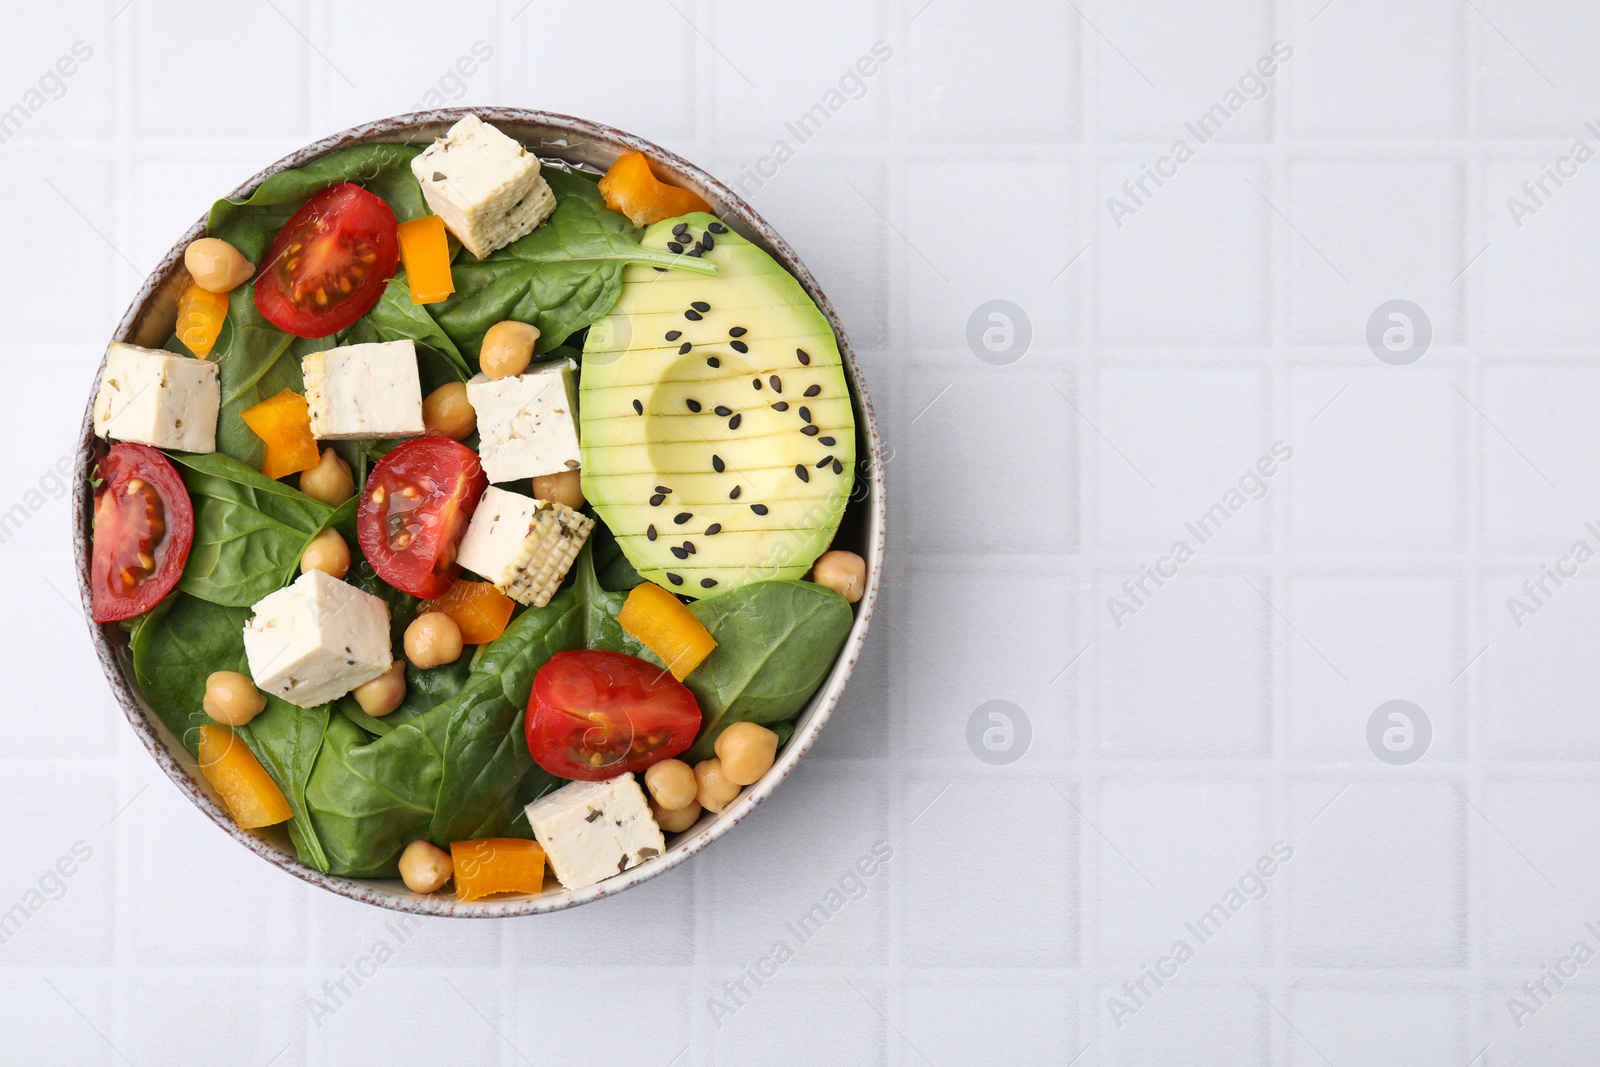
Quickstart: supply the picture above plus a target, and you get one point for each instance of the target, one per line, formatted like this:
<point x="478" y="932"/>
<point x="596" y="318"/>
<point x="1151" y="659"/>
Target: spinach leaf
<point x="395" y="318"/>
<point x="776" y="641"/>
<point x="385" y="169"/>
<point x="249" y="531"/>
<point x="561" y="277"/>
<point x="176" y="648"/>
<point x="369" y="799"/>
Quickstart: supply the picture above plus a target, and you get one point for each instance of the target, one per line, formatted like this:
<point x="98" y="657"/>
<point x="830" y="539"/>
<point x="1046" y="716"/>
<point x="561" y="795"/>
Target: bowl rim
<point x="391" y="894"/>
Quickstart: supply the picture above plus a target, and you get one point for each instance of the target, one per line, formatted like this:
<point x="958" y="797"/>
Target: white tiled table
<point x="1165" y="756"/>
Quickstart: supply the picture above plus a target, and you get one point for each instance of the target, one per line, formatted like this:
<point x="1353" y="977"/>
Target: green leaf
<point x="369" y="799"/>
<point x="385" y="169"/>
<point x="176" y="648"/>
<point x="395" y="318"/>
<point x="776" y="642"/>
<point x="561" y="277"/>
<point x="249" y="531"/>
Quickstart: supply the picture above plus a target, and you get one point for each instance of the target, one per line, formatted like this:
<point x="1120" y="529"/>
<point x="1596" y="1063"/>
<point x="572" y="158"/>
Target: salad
<point x="476" y="517"/>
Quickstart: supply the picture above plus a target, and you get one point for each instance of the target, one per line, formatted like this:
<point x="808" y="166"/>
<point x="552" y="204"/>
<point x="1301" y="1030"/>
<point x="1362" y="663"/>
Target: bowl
<point x="586" y="145"/>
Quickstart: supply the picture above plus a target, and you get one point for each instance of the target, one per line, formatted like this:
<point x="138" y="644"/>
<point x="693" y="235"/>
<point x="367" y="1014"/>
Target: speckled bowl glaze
<point x="149" y="321"/>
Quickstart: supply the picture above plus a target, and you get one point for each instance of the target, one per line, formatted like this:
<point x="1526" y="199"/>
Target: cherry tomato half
<point x="414" y="511"/>
<point x="143" y="527"/>
<point x="594" y="715"/>
<point x="329" y="263"/>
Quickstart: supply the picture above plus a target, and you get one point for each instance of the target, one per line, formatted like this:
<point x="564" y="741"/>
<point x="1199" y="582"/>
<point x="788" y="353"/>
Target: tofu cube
<point x="592" y="830"/>
<point x="528" y="423"/>
<point x="364" y="391"/>
<point x="158" y="399"/>
<point x="524" y="546"/>
<point x="315" y="640"/>
<point x="485" y="185"/>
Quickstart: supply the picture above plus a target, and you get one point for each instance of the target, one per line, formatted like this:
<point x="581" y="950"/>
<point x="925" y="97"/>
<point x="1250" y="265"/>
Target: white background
<point x="1229" y="311"/>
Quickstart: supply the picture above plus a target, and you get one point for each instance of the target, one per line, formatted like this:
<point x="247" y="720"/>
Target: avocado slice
<point x="718" y="434"/>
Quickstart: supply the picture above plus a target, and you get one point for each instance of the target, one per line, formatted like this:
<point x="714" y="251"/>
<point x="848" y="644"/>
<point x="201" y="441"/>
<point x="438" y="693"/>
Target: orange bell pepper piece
<point x="283" y="422"/>
<point x="201" y="314"/>
<point x="632" y="188"/>
<point x="247" y="790"/>
<point x="425" y="251"/>
<point x="662" y="624"/>
<point x="493" y="865"/>
<point x="480" y="609"/>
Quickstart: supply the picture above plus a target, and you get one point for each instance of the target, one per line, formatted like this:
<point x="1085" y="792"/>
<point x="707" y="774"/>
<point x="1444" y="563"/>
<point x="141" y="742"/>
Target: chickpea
<point x="328" y="553"/>
<point x="746" y="751"/>
<point x="564" y="488"/>
<point x="507" y="349"/>
<point x="425" y="867"/>
<point x="330" y="481"/>
<point x="385" y="692"/>
<point x="715" y="792"/>
<point x="671" y="783"/>
<point x="447" y="411"/>
<point x="674" y="820"/>
<point x="232" y="698"/>
<point x="432" y="640"/>
<point x="216" y="266"/>
<point x="843" y="572"/>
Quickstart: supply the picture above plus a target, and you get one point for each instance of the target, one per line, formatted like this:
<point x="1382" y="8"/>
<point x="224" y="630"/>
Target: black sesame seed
<point x="826" y="440"/>
<point x="682" y="517"/>
<point x="805" y="413"/>
<point x="714" y="529"/>
<point x="657" y="500"/>
<point x="801" y="472"/>
<point x="681" y="553"/>
<point x="723" y="410"/>
<point x="813" y="390"/>
<point x="688" y="546"/>
<point x="734" y="495"/>
<point x="776" y="383"/>
<point x="675" y="579"/>
<point x="713" y="361"/>
<point x="737" y="331"/>
<point x="782" y="405"/>
<point x="759" y="509"/>
<point x="802" y="355"/>
<point x="673" y="246"/>
<point x="717" y="227"/>
<point x="663" y="489"/>
<point x="809" y="431"/>
<point x="740" y="346"/>
<point x="663" y="270"/>
<point x="708" y="583"/>
<point x="693" y="253"/>
<point x="756" y="383"/>
<point x="638" y="408"/>
<point x="824" y="461"/>
<point x="838" y="468"/>
<point x="717" y="464"/>
<point x="673" y="335"/>
<point x="733" y="423"/>
<point x="680" y="229"/>
<point x="692" y="315"/>
<point x="699" y="249"/>
<point x="709" y="242"/>
<point x="651" y="532"/>
<point x="692" y="405"/>
<point x="700" y="305"/>
<point x="683" y="349"/>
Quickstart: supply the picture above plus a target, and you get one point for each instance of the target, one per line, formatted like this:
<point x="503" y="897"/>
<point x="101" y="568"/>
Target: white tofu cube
<point x="315" y="640"/>
<point x="364" y="391"/>
<point x="592" y="830"/>
<point x="524" y="546"/>
<point x="528" y="423"/>
<point x="484" y="185"/>
<point x="158" y="399"/>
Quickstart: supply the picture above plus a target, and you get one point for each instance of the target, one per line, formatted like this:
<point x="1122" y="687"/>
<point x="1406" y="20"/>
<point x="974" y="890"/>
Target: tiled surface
<point x="1196" y="353"/>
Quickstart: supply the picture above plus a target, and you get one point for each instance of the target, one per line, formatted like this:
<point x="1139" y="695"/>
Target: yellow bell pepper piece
<point x="283" y="423"/>
<point x="660" y="622"/>
<point x="425" y="251"/>
<point x="248" y="791"/>
<point x="479" y="609"/>
<point x="493" y="865"/>
<point x="201" y="314"/>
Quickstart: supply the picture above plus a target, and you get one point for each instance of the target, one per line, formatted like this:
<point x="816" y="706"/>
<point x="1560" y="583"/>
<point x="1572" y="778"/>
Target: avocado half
<point x="718" y="434"/>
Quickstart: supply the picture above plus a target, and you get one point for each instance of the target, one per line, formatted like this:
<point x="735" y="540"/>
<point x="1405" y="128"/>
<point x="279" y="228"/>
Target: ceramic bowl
<point x="149" y="321"/>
